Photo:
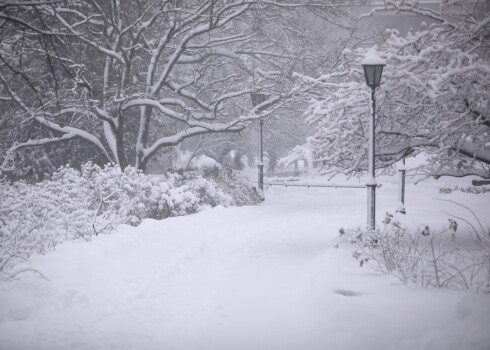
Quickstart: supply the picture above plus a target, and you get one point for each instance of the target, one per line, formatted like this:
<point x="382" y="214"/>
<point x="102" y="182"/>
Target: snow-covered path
<point x="264" y="277"/>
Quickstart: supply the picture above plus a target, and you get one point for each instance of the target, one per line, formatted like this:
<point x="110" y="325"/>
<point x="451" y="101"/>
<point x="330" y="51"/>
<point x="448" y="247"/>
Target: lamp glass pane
<point x="369" y="74"/>
<point x="378" y="73"/>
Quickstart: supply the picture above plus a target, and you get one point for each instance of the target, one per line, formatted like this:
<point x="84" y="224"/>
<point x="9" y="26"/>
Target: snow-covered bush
<point x="443" y="259"/>
<point x="207" y="192"/>
<point x="240" y="189"/>
<point x="467" y="189"/>
<point x="34" y="218"/>
<point x="129" y="196"/>
<point x="80" y="203"/>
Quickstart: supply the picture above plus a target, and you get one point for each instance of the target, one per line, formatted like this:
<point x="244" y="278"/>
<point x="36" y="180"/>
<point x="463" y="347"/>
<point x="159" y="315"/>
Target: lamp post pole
<point x="401" y="189"/>
<point x="371" y="183"/>
<point x="257" y="99"/>
<point x="260" y="165"/>
<point x="373" y="69"/>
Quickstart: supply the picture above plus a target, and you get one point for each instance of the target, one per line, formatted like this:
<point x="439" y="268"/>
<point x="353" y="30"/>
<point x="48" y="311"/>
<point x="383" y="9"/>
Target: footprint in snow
<point x="347" y="293"/>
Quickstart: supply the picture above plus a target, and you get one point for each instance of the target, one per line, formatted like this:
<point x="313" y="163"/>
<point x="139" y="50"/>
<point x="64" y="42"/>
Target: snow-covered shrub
<point x="80" y="203"/>
<point x="126" y="197"/>
<point x="239" y="188"/>
<point x="467" y="189"/>
<point x="443" y="259"/>
<point x="201" y="161"/>
<point x="34" y="218"/>
<point x="207" y="191"/>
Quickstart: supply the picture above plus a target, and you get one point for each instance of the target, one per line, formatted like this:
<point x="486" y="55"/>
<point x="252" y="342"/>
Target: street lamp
<point x="373" y="69"/>
<point x="257" y="99"/>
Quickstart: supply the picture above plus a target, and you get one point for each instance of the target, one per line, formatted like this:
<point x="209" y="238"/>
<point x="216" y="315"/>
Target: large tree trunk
<point x="142" y="141"/>
<point x="121" y="153"/>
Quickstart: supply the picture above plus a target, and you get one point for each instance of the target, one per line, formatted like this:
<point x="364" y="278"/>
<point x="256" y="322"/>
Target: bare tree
<point x="132" y="78"/>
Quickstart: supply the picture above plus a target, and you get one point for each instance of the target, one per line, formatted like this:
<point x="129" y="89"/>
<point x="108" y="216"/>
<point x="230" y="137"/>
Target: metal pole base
<point x="371" y="205"/>
<point x="401" y="193"/>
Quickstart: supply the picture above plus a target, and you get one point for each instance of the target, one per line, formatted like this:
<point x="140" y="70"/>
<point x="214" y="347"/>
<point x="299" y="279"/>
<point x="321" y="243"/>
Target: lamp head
<point x="373" y="68"/>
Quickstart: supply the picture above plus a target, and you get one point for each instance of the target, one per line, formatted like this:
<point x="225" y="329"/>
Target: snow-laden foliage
<point x="230" y="182"/>
<point x="450" y="258"/>
<point x="434" y="98"/>
<point x="87" y="70"/>
<point x="80" y="203"/>
<point x="299" y="152"/>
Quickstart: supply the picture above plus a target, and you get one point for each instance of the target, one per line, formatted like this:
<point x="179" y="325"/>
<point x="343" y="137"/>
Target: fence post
<point x="400" y="208"/>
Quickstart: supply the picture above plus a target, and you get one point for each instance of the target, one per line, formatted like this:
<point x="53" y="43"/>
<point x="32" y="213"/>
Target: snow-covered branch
<point x="183" y="68"/>
<point x="433" y="98"/>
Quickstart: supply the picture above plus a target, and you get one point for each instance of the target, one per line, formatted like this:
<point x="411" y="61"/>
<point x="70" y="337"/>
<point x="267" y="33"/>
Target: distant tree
<point x="434" y="98"/>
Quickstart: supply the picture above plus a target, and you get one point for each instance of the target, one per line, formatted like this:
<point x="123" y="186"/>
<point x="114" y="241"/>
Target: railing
<point x="308" y="185"/>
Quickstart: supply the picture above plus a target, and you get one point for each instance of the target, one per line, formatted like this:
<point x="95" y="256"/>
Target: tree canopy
<point x="434" y="98"/>
<point x="132" y="78"/>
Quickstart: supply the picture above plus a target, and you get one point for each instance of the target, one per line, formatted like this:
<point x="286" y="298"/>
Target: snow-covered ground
<point x="251" y="278"/>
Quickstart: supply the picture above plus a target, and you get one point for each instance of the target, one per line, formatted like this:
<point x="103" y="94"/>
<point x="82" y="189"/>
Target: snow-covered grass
<point x="257" y="277"/>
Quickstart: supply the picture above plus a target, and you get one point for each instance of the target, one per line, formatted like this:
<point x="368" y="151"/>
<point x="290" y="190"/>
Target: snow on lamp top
<point x="373" y="67"/>
<point x="372" y="58"/>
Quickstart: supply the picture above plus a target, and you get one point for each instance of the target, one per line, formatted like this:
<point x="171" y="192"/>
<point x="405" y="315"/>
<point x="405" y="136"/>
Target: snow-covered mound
<point x="81" y="203"/>
<point x="256" y="277"/>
